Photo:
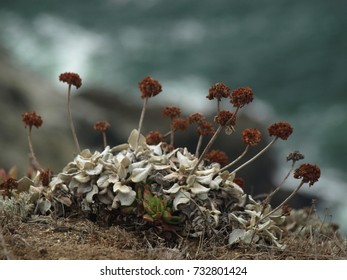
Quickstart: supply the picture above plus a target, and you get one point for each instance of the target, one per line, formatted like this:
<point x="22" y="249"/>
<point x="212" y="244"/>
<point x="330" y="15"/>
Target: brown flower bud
<point x="171" y="112"/>
<point x="295" y="156"/>
<point x="241" y="96"/>
<point x="205" y="128"/>
<point x="251" y="136"/>
<point x="225" y="118"/>
<point x="149" y="87"/>
<point x="217" y="156"/>
<point x="281" y="129"/>
<point x="218" y="91"/>
<point x="71" y="79"/>
<point x="309" y="173"/>
<point x="154" y="138"/>
<point x="32" y="119"/>
<point x="101" y="126"/>
<point x="179" y="124"/>
<point x="240" y="182"/>
<point x="195" y="118"/>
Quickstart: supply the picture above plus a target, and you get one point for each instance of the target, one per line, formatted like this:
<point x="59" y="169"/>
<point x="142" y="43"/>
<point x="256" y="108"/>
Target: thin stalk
<point x="218" y="106"/>
<point x="256" y="156"/>
<point x="210" y="143"/>
<point x="74" y="135"/>
<point x="284" y="201"/>
<point x="172" y="136"/>
<point x="35" y="162"/>
<point x="268" y="198"/>
<point x="207" y="148"/>
<point x="236" y="160"/>
<point x="198" y="146"/>
<point x="104" y="138"/>
<point x="141" y="120"/>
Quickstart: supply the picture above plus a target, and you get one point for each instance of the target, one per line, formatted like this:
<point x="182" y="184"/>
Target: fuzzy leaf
<point x="236" y="236"/>
<point x="89" y="196"/>
<point x="198" y="189"/>
<point x="140" y="174"/>
<point x="132" y="140"/>
<point x="96" y="170"/>
<point x="182" y="197"/>
<point x="174" y="189"/>
<point x="82" y="178"/>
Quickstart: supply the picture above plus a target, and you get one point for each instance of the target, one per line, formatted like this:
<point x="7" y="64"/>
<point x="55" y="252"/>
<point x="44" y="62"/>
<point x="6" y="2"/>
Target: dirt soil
<point x="50" y="239"/>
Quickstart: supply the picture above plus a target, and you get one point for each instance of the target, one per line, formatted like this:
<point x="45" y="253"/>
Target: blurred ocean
<point x="292" y="53"/>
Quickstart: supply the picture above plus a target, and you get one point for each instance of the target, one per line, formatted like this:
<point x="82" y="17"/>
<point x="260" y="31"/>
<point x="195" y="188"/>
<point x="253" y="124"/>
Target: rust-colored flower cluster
<point x="295" y="156"/>
<point x="205" y="128"/>
<point x="251" y="136"/>
<point x="149" y="87"/>
<point x="240" y="182"/>
<point x="281" y="129"/>
<point x="46" y="176"/>
<point x="101" y="126"/>
<point x="32" y="119"/>
<point x="225" y="118"/>
<point x="179" y="124"/>
<point x="309" y="173"/>
<point x="7" y="187"/>
<point x="217" y="156"/>
<point x="171" y="112"/>
<point x="218" y="91"/>
<point x="71" y="79"/>
<point x="154" y="138"/>
<point x="241" y="96"/>
<point x="196" y="118"/>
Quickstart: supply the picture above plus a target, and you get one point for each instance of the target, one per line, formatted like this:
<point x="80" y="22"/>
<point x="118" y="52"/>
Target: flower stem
<point x="268" y="198"/>
<point x="104" y="138"/>
<point x="236" y="160"/>
<point x="256" y="156"/>
<point x="283" y="202"/>
<point x="207" y="148"/>
<point x="198" y="146"/>
<point x="141" y="120"/>
<point x="70" y="119"/>
<point x="35" y="162"/>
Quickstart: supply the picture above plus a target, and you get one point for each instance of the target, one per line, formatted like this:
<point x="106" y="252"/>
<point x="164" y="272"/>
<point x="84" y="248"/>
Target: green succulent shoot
<point x="157" y="209"/>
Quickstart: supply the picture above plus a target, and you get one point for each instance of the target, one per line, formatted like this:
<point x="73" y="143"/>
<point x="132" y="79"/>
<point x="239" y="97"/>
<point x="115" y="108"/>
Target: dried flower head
<point x="32" y="119"/>
<point x="218" y="91"/>
<point x="251" y="136"/>
<point x="217" y="156"/>
<point x="225" y="118"/>
<point x="7" y="187"/>
<point x="286" y="210"/>
<point x="46" y="176"/>
<point x="205" y="128"/>
<point x="171" y="112"/>
<point x="179" y="124"/>
<point x="101" y="126"/>
<point x="154" y="138"/>
<point x="195" y="118"/>
<point x="295" y="156"/>
<point x="241" y="96"/>
<point x="281" y="129"/>
<point x="71" y="79"/>
<point x="149" y="87"/>
<point x="240" y="182"/>
<point x="309" y="173"/>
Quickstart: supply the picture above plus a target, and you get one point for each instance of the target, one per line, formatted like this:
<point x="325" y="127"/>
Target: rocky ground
<point x="75" y="238"/>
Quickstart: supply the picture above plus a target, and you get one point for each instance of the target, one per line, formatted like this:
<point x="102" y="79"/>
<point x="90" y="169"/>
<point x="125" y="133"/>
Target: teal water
<point x="292" y="53"/>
